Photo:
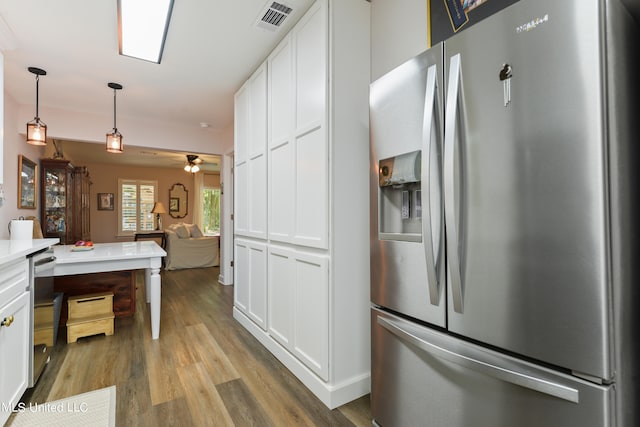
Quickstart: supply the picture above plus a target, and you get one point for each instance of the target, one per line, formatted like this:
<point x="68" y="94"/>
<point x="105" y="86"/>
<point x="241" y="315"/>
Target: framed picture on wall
<point x="27" y="183"/>
<point x="174" y="204"/>
<point x="105" y="201"/>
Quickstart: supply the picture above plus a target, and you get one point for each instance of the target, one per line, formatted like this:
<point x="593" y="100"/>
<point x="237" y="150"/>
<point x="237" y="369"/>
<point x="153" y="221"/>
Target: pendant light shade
<point x="114" y="138"/>
<point x="36" y="129"/>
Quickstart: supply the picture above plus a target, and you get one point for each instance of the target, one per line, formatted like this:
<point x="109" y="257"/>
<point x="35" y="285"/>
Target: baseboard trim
<point x="332" y="395"/>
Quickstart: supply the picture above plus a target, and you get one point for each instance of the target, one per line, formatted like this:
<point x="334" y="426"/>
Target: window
<point x="211" y="210"/>
<point x="135" y="201"/>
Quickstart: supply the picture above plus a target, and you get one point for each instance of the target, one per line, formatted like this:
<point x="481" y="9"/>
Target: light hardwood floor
<point x="205" y="370"/>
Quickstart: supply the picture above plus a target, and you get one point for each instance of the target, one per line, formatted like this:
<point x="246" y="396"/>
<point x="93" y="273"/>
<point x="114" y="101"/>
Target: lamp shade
<point x="114" y="142"/>
<point x="36" y="132"/>
<point x="158" y="208"/>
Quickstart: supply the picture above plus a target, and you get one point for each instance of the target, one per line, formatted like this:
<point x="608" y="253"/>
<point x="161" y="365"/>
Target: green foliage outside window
<point x="211" y="210"/>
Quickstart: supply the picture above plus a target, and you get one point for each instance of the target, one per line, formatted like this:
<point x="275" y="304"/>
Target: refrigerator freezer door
<point x="407" y="273"/>
<point x="526" y="184"/>
<point x="424" y="377"/>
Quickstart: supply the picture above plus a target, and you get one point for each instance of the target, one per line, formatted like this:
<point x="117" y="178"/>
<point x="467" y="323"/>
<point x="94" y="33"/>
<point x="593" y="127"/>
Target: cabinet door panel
<point x="311" y="192"/>
<point x="257" y="196"/>
<point x="241" y="118"/>
<point x="241" y="279"/>
<point x="14" y="353"/>
<point x="281" y="296"/>
<point x="281" y="189"/>
<point x="241" y="206"/>
<point x="258" y="112"/>
<point x="311" y="66"/>
<point x="281" y="93"/>
<point x="311" y="344"/>
<point x="258" y="284"/>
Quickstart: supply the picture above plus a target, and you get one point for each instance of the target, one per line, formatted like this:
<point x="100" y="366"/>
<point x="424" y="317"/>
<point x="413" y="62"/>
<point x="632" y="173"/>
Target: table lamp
<point x="158" y="208"/>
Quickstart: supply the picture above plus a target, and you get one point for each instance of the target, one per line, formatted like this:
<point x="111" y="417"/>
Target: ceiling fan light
<point x="195" y="168"/>
<point x="187" y="168"/>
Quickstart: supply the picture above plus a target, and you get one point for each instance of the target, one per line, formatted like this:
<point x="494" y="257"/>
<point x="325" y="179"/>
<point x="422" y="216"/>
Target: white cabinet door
<point x="258" y="112"/>
<point x="311" y="142"/>
<point x="251" y="156"/>
<point x="14" y="353"/>
<point x="241" y="124"/>
<point x="310" y="37"/>
<point x="250" y="292"/>
<point x="258" y="289"/>
<point x="241" y="170"/>
<point x="257" y="189"/>
<point x="257" y="196"/>
<point x="241" y="198"/>
<point x="311" y="317"/>
<point x="241" y="282"/>
<point x="281" y="148"/>
<point x="281" y="286"/>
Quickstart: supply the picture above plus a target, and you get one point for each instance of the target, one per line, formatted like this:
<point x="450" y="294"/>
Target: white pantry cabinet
<point x="14" y="334"/>
<point x="299" y="305"/>
<point x="317" y="202"/>
<point x="250" y="294"/>
<point x="251" y="156"/>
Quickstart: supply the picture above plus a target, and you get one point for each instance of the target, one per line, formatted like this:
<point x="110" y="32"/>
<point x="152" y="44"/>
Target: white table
<point x="114" y="257"/>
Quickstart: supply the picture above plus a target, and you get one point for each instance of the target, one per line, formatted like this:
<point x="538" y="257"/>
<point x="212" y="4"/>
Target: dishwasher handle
<point x="44" y="265"/>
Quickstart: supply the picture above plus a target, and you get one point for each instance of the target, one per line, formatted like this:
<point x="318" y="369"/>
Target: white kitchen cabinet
<point x="251" y="156"/>
<point x="299" y="306"/>
<point x="317" y="218"/>
<point x="251" y="280"/>
<point x="281" y="170"/>
<point x="14" y="335"/>
<point x="281" y="297"/>
<point x="311" y="312"/>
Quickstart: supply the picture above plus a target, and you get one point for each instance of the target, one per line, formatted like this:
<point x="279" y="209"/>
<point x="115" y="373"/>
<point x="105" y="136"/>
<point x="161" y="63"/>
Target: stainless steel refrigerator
<point x="504" y="236"/>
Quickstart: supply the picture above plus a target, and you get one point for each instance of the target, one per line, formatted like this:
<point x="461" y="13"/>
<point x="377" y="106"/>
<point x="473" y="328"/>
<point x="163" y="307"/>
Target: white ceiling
<point x="212" y="47"/>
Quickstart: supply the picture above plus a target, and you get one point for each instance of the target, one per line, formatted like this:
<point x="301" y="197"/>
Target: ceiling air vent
<point x="273" y="15"/>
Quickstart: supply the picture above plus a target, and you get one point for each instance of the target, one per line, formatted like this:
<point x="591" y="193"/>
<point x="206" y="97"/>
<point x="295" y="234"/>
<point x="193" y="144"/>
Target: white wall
<point x="14" y="145"/>
<point x="398" y="33"/>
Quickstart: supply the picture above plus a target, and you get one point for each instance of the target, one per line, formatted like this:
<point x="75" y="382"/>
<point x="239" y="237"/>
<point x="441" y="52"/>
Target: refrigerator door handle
<point x="501" y="373"/>
<point x="451" y="216"/>
<point x="431" y="114"/>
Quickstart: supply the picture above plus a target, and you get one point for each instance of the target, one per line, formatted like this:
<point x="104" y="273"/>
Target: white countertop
<point x="108" y="252"/>
<point x="11" y="250"/>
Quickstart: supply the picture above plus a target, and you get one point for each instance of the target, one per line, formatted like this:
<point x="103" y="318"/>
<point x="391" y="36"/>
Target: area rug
<point x="95" y="408"/>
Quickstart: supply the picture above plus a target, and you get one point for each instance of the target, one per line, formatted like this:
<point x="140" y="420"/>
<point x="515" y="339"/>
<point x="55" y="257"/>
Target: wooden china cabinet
<point x="64" y="200"/>
<point x="82" y="214"/>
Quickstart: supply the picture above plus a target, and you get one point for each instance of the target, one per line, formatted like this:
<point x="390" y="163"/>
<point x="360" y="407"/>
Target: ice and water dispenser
<point x="400" y="210"/>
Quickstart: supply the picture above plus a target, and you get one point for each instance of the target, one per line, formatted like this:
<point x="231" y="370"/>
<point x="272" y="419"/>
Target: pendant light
<point x="36" y="129"/>
<point x="114" y="138"/>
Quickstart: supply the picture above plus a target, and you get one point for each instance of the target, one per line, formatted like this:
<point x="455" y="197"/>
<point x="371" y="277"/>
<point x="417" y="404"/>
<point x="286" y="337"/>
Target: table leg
<point x="147" y="283"/>
<point x="153" y="284"/>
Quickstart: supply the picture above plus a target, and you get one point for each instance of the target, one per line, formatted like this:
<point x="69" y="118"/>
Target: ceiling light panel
<point x="143" y="26"/>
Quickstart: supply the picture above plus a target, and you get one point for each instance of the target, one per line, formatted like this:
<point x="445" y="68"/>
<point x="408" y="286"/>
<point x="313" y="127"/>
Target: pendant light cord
<point x="37" y="91"/>
<point x="114" y="110"/>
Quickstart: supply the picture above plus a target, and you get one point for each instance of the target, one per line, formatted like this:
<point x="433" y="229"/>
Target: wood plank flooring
<point x="205" y="370"/>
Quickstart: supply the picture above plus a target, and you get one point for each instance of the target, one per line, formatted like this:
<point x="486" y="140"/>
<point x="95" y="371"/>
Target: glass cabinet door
<point x="57" y="196"/>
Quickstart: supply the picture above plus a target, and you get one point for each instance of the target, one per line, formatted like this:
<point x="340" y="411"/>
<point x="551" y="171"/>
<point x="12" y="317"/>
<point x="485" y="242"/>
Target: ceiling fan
<point x="192" y="163"/>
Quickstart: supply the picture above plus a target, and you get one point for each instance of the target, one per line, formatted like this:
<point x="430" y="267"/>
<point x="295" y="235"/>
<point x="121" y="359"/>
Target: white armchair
<point x="188" y="248"/>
